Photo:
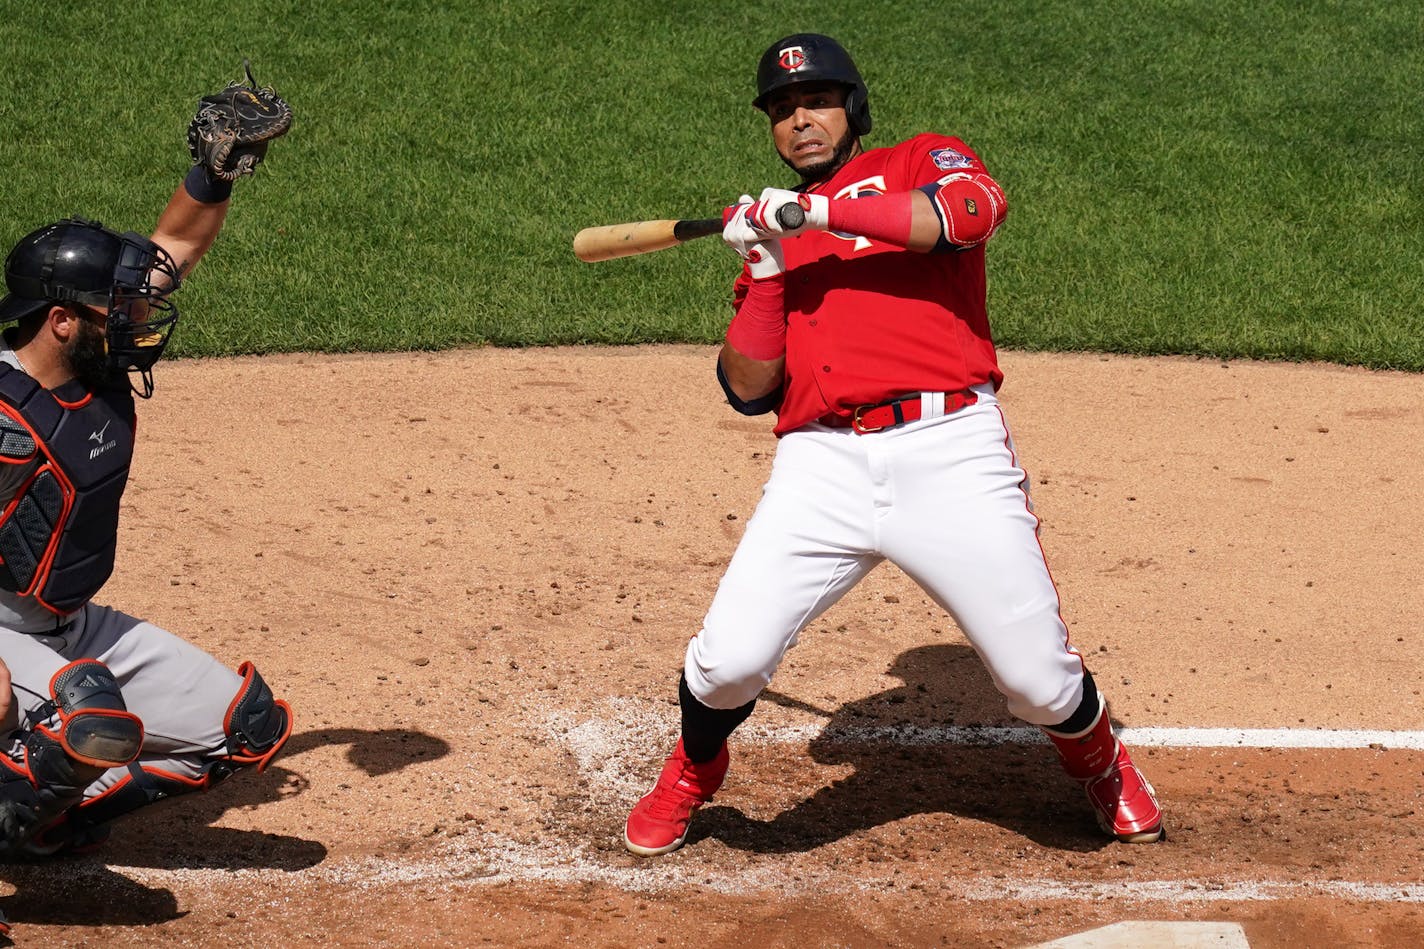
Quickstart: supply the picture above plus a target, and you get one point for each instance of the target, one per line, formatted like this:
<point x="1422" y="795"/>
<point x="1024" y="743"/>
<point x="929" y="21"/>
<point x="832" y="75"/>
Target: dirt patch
<point x="473" y="575"/>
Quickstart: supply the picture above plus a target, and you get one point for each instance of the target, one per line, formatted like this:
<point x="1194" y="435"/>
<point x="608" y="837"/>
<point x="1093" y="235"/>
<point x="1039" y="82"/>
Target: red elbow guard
<point x="970" y="206"/>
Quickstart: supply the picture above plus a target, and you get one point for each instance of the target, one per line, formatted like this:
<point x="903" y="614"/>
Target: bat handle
<point x="790" y="216"/>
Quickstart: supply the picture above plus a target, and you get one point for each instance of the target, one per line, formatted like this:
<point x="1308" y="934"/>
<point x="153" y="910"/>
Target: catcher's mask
<point x="811" y="57"/>
<point x="127" y="275"/>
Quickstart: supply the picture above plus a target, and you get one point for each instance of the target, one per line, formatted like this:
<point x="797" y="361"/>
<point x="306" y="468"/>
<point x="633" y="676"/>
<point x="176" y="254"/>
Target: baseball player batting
<point x="109" y="713"/>
<point x="865" y="331"/>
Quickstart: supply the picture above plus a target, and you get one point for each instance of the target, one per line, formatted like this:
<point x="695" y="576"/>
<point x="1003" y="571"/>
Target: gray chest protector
<point x="59" y="530"/>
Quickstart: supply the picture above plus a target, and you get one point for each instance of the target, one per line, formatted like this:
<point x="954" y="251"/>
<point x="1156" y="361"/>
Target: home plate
<point x="1159" y="935"/>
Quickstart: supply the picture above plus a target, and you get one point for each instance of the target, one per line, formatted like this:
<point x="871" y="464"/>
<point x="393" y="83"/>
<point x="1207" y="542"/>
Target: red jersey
<point x="866" y="321"/>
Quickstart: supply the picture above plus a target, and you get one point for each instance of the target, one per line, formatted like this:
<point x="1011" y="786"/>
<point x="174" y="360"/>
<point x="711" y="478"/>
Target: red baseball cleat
<point x="658" y="823"/>
<point x="1125" y="803"/>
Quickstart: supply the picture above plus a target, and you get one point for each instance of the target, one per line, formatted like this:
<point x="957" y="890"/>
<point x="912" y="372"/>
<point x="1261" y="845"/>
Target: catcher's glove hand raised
<point x="230" y="133"/>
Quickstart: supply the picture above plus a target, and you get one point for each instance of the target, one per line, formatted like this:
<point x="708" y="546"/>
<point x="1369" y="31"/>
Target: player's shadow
<point x="1020" y="787"/>
<point x="178" y="835"/>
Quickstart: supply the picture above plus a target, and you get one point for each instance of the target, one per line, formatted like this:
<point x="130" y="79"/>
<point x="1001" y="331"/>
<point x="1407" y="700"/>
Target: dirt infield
<point x="473" y="575"/>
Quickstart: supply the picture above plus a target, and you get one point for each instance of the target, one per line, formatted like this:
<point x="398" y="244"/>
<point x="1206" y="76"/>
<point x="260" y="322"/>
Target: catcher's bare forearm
<point x="187" y="228"/>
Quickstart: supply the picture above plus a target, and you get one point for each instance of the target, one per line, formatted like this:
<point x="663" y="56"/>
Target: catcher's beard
<point x="819" y="171"/>
<point x="87" y="356"/>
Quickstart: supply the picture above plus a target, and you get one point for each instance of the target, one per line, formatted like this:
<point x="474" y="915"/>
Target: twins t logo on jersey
<point x="871" y="187"/>
<point x="947" y="158"/>
<point x="791" y="58"/>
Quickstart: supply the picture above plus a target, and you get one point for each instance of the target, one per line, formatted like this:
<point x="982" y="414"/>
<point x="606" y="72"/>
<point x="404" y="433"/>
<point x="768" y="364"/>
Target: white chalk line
<point x="642" y="719"/>
<point x="494" y="860"/>
<point x="1138" y="737"/>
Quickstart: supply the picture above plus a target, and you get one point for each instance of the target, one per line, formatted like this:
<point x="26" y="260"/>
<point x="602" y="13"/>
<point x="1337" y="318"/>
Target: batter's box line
<point x="643" y="727"/>
<point x="489" y="859"/>
<point x="1147" y="737"/>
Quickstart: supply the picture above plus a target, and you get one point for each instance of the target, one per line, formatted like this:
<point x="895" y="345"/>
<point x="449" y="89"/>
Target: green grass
<point x="1183" y="176"/>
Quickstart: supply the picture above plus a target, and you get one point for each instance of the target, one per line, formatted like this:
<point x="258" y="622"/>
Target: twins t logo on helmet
<point x="791" y="58"/>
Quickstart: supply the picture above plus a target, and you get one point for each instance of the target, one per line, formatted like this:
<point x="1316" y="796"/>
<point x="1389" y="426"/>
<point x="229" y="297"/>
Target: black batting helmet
<point x="811" y="57"/>
<point x="127" y="275"/>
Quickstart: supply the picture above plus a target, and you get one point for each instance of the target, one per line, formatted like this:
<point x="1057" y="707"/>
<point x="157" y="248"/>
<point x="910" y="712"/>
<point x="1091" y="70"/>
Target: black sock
<point x="705" y="729"/>
<point x="1082" y="718"/>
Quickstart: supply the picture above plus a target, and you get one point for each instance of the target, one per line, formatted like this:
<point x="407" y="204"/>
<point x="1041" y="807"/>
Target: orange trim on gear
<point x="198" y="784"/>
<point x="248" y="671"/>
<point x="66" y="491"/>
<point x="21" y="770"/>
<point x="88" y="397"/>
<point x="14" y="415"/>
<point x="264" y="759"/>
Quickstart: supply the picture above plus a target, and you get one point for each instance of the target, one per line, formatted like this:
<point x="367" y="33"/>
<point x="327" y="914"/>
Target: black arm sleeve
<point x="758" y="406"/>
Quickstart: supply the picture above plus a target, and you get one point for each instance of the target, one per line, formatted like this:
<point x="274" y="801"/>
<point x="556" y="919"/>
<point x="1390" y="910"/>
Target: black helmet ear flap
<point x="858" y="110"/>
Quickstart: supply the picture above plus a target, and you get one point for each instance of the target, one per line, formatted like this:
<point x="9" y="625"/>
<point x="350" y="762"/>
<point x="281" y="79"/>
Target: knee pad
<point x="96" y="732"/>
<point x="258" y="724"/>
<point x="95" y="726"/>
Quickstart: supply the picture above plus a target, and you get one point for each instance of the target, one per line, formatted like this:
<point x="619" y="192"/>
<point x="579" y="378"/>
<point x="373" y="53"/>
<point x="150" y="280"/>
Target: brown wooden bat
<point x="609" y="241"/>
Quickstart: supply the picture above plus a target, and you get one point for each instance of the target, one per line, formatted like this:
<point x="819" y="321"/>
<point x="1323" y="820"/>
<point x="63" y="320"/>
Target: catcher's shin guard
<point x="85" y="826"/>
<point x="19" y="806"/>
<point x="94" y="732"/>
<point x="258" y="724"/>
<point x="1125" y="804"/>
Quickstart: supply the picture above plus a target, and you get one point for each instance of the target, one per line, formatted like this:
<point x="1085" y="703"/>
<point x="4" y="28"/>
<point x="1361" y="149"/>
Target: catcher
<point x="109" y="712"/>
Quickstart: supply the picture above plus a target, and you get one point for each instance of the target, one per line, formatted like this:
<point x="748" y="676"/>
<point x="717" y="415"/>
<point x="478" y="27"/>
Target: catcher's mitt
<point x="230" y="133"/>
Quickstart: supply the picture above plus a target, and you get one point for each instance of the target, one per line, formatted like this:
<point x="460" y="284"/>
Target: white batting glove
<point x="763" y="256"/>
<point x="764" y="259"/>
<point x="762" y="215"/>
<point x="736" y="232"/>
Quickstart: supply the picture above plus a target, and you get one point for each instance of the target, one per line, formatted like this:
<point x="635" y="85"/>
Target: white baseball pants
<point x="942" y="498"/>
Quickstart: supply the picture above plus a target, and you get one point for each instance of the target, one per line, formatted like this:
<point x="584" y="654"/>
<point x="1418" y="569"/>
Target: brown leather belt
<point x="882" y="415"/>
